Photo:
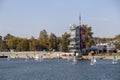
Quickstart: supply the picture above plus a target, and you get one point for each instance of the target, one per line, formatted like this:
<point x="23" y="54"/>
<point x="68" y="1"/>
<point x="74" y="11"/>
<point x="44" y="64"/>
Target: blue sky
<point x="26" y="18"/>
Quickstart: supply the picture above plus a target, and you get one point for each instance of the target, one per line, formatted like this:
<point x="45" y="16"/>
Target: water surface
<point x="58" y="69"/>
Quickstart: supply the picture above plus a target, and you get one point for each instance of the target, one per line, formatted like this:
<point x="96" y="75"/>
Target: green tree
<point x="117" y="38"/>
<point x="3" y="46"/>
<point x="0" y="38"/>
<point x="23" y="45"/>
<point x="12" y="42"/>
<point x="33" y="44"/>
<point x="89" y="37"/>
<point x="44" y="40"/>
<point x="118" y="46"/>
<point x="59" y="42"/>
<point x="52" y="42"/>
<point x="8" y="36"/>
<point x="65" y="42"/>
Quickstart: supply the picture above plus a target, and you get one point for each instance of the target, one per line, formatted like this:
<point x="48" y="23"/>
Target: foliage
<point x="23" y="45"/>
<point x="12" y="42"/>
<point x="65" y="42"/>
<point x="53" y="42"/>
<point x="117" y="37"/>
<point x="118" y="46"/>
<point x="59" y="42"/>
<point x="3" y="46"/>
<point x="44" y="40"/>
<point x="89" y="37"/>
<point x="33" y="44"/>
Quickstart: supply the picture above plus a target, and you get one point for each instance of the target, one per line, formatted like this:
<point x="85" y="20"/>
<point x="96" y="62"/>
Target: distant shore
<point x="102" y="57"/>
<point x="53" y="55"/>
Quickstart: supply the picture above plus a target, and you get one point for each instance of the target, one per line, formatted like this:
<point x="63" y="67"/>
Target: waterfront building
<point x="77" y="38"/>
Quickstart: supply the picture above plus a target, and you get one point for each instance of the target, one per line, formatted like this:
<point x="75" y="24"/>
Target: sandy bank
<point x="49" y="55"/>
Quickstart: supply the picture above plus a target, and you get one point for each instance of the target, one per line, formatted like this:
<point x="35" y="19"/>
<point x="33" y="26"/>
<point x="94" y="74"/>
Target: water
<point x="58" y="69"/>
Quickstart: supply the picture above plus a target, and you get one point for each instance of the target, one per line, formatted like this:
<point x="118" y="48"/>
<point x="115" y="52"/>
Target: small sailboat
<point x="68" y="60"/>
<point x="39" y="58"/>
<point x="93" y="60"/>
<point x="58" y="56"/>
<point x="74" y="59"/>
<point x="8" y="58"/>
<point x="26" y="57"/>
<point x="114" y="61"/>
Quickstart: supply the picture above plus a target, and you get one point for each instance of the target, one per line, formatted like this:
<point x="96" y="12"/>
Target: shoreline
<point x="54" y="55"/>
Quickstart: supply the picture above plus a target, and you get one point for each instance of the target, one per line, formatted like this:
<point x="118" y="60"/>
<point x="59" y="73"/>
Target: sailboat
<point x="68" y="60"/>
<point x="114" y="61"/>
<point x="39" y="58"/>
<point x="8" y="58"/>
<point x="74" y="59"/>
<point x="26" y="57"/>
<point x="93" y="60"/>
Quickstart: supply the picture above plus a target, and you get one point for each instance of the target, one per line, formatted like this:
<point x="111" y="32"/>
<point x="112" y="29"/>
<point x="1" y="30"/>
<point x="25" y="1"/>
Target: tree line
<point x="46" y="42"/>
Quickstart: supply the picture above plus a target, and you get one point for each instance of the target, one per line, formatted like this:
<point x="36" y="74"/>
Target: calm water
<point x="58" y="69"/>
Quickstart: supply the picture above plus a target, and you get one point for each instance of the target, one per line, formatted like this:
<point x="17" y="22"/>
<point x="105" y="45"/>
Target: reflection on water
<point x="18" y="69"/>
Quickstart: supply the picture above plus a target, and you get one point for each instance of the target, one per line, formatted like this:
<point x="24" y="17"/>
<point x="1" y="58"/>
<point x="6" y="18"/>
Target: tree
<point x="53" y="42"/>
<point x="65" y="42"/>
<point x="117" y="38"/>
<point x="33" y="44"/>
<point x="59" y="42"/>
<point x="0" y="38"/>
<point x="3" y="46"/>
<point x="23" y="45"/>
<point x="12" y="42"/>
<point x="89" y="37"/>
<point x="8" y="36"/>
<point x="118" y="46"/>
<point x="43" y="40"/>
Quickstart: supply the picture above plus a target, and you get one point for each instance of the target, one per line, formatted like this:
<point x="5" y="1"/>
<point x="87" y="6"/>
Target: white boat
<point x="74" y="60"/>
<point x="114" y="61"/>
<point x="68" y="60"/>
<point x="93" y="60"/>
<point x="26" y="57"/>
<point x="8" y="58"/>
<point x="39" y="58"/>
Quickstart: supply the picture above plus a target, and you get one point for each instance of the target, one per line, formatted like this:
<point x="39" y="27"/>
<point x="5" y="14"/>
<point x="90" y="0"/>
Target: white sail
<point x="93" y="60"/>
<point x="114" y="61"/>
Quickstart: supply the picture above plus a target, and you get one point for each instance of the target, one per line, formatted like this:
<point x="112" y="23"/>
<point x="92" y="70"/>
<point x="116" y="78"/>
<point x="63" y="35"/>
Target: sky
<point x="26" y="18"/>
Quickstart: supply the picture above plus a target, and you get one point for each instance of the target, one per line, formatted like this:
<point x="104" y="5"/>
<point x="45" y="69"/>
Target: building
<point x="77" y="38"/>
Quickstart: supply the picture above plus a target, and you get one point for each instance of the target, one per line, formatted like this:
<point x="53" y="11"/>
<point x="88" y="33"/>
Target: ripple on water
<point x="58" y="69"/>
